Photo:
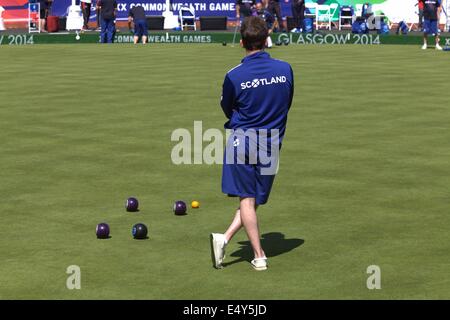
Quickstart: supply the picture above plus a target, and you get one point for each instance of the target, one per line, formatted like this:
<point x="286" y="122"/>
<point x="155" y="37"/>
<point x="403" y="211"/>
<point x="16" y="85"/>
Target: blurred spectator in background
<point x="244" y="8"/>
<point x="137" y="16"/>
<point x="86" y="9"/>
<point x="108" y="11"/>
<point x="274" y="9"/>
<point x="264" y="14"/>
<point x="298" y="12"/>
<point x="43" y="13"/>
<point x="431" y="13"/>
<point x="97" y="13"/>
<point x="420" y="5"/>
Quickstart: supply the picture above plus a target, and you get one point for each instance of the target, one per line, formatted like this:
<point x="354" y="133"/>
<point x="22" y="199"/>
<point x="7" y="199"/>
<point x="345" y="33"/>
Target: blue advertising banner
<point x="156" y="7"/>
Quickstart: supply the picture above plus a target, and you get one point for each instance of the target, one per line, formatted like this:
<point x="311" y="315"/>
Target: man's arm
<point x="228" y="97"/>
<point x="130" y="19"/>
<point x="271" y="21"/>
<point x="115" y="9"/>
<point x="292" y="89"/>
<point x="439" y="10"/>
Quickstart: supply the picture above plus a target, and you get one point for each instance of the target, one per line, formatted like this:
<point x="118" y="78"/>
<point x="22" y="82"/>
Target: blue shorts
<point x="430" y="27"/>
<point x="247" y="179"/>
<point x="140" y="28"/>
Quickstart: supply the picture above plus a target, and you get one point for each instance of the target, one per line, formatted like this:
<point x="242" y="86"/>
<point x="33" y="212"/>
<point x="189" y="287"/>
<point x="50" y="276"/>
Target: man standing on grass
<point x="298" y="12"/>
<point x="256" y="98"/>
<point x="108" y="11"/>
<point x="43" y="13"/>
<point x="137" y="15"/>
<point x="275" y="10"/>
<point x="268" y="18"/>
<point x="431" y="14"/>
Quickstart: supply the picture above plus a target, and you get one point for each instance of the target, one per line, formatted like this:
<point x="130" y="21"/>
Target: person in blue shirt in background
<point x="256" y="98"/>
<point x="137" y="16"/>
<point x="261" y="12"/>
<point x="298" y="13"/>
<point x="431" y="14"/>
<point x="274" y="7"/>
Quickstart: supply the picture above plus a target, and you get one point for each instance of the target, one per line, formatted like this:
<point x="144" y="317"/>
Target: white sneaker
<point x="438" y="47"/>
<point x="424" y="47"/>
<point x="217" y="241"/>
<point x="259" y="264"/>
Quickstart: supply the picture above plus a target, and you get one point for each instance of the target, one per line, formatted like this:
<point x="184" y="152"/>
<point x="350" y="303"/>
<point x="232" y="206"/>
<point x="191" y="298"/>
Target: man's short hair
<point x="254" y="33"/>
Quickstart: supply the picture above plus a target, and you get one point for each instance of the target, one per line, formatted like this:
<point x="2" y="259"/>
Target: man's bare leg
<point x="219" y="240"/>
<point x="42" y="22"/>
<point x="245" y="216"/>
<point x="234" y="227"/>
<point x="437" y="40"/>
<point x="250" y="223"/>
<point x="425" y="41"/>
<point x="136" y="39"/>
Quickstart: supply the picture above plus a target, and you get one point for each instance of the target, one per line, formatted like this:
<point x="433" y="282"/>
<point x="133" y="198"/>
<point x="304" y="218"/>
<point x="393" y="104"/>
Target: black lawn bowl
<point x="139" y="231"/>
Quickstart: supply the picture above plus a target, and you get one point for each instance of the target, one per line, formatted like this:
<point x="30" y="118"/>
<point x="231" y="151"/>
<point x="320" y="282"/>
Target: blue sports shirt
<point x="430" y="9"/>
<point x="257" y="94"/>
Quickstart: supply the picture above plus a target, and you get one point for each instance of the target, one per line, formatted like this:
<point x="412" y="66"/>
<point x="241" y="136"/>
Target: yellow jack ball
<point x="195" y="204"/>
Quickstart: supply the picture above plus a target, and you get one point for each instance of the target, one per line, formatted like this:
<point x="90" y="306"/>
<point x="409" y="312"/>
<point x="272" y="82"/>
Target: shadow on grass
<point x="273" y="243"/>
<point x="140" y="239"/>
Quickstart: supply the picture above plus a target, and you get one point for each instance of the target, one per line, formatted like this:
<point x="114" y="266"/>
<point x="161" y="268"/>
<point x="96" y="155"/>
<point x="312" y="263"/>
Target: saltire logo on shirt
<point x="255" y="83"/>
